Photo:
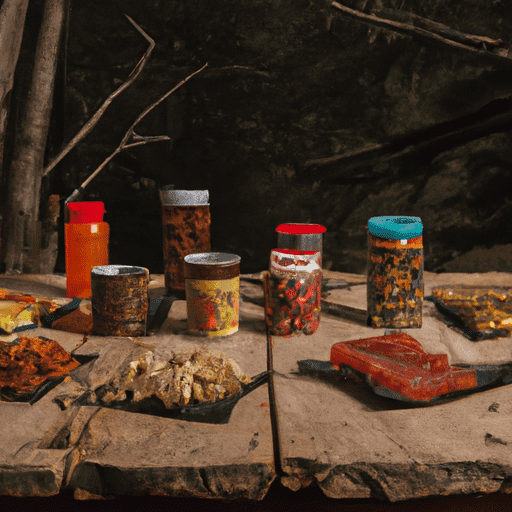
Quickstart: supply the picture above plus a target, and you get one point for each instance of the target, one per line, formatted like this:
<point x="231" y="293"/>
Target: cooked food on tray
<point x="189" y="376"/>
<point x="27" y="363"/>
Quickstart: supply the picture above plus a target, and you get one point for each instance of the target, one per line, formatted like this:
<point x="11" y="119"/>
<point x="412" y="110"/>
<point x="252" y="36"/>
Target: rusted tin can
<point x="395" y="272"/>
<point x="119" y="300"/>
<point x="212" y="286"/>
<point x="300" y="237"/>
<point x="186" y="230"/>
<point x="293" y="292"/>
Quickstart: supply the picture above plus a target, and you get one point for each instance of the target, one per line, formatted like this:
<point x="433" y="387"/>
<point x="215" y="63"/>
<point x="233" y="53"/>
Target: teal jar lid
<point x="395" y="227"/>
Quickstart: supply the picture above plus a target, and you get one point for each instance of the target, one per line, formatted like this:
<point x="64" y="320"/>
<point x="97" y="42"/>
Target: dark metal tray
<point x="207" y="412"/>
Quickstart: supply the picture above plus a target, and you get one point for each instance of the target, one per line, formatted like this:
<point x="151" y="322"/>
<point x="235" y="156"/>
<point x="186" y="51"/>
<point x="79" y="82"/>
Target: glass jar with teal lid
<point x="395" y="272"/>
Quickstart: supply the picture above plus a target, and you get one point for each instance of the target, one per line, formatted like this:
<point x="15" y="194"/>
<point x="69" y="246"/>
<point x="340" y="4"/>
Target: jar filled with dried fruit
<point x="395" y="272"/>
<point x="293" y="292"/>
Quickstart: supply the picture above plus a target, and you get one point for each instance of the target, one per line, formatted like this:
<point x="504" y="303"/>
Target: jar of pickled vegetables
<point x="293" y="292"/>
<point x="395" y="272"/>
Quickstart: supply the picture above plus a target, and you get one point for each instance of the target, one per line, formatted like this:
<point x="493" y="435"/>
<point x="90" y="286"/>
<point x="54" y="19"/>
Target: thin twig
<point x="86" y="129"/>
<point x="130" y="135"/>
<point x="434" y="30"/>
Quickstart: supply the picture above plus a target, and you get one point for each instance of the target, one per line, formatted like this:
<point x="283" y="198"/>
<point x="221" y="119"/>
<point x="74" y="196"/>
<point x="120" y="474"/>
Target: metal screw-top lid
<point x="395" y="227"/>
<point x="304" y="237"/>
<point x="183" y="197"/>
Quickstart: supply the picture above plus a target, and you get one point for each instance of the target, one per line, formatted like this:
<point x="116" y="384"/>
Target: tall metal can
<point x="186" y="230"/>
<point x="120" y="302"/>
<point x="212" y="284"/>
<point x="395" y="272"/>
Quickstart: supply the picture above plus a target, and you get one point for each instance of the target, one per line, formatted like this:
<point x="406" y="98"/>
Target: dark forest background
<point x="303" y="114"/>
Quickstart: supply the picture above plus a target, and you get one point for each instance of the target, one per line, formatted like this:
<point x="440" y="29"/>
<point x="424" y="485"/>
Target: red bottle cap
<point x="301" y="229"/>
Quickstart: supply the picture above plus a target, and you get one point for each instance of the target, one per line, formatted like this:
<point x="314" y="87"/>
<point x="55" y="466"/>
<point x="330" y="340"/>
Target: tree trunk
<point x="12" y="20"/>
<point x="22" y="227"/>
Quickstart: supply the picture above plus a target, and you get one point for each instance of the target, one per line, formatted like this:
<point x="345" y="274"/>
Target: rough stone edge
<point x="30" y="481"/>
<point x="398" y="482"/>
<point x="91" y="480"/>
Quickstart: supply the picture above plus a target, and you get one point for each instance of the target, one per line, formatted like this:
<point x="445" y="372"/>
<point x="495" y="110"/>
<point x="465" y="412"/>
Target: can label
<point x="213" y="306"/>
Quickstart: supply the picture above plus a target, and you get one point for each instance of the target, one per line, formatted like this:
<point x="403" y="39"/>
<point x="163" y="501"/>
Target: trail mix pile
<point x="190" y="376"/>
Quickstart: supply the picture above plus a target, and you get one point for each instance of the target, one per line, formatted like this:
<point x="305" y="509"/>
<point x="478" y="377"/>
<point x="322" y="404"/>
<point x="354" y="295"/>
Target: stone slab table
<point x="104" y="452"/>
<point x="338" y="435"/>
<point x="356" y="444"/>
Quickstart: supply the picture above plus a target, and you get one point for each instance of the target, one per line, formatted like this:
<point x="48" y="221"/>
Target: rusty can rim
<point x="216" y="259"/>
<point x="118" y="270"/>
<point x="171" y="197"/>
<point x="211" y="266"/>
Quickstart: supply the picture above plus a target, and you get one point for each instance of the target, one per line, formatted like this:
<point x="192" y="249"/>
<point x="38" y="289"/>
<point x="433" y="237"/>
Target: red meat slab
<point x="398" y="362"/>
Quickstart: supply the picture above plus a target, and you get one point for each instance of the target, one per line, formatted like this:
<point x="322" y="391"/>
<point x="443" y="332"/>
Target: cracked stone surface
<point x="103" y="452"/>
<point x="338" y="435"/>
<point x="355" y="444"/>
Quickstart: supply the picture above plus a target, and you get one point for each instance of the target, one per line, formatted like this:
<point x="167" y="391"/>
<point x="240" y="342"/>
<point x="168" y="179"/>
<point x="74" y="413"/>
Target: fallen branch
<point x="131" y="139"/>
<point x="424" y="145"/>
<point x="86" y="129"/>
<point x="412" y="24"/>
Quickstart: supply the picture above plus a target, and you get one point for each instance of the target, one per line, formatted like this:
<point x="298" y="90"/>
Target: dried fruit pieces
<point x="293" y="292"/>
<point x="480" y="309"/>
<point x="395" y="282"/>
<point x="293" y="304"/>
<point x="190" y="376"/>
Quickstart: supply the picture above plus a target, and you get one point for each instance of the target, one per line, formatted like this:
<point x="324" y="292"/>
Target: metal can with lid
<point x="293" y="292"/>
<point x="186" y="230"/>
<point x="120" y="302"/>
<point x="395" y="272"/>
<point x="212" y="287"/>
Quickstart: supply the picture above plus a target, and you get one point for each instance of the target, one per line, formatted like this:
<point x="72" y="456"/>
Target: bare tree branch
<point x="86" y="129"/>
<point x="136" y="140"/>
<point x="412" y="24"/>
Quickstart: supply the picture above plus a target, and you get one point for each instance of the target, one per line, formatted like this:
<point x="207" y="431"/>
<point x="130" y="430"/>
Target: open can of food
<point x="395" y="272"/>
<point x="293" y="292"/>
<point x="212" y="286"/>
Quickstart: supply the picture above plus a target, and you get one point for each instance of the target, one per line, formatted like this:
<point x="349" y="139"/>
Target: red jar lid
<point x="293" y="252"/>
<point x="86" y="212"/>
<point x="301" y="229"/>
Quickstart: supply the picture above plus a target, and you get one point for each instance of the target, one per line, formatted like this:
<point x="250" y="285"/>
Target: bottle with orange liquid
<point x="86" y="239"/>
